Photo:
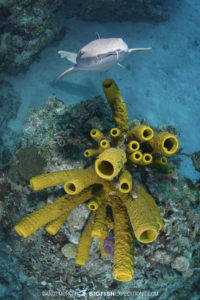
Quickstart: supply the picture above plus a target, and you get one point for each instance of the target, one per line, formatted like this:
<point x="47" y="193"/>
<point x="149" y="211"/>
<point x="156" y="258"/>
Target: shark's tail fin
<point x="68" y="71"/>
<point x="133" y="50"/>
<point x="68" y="55"/>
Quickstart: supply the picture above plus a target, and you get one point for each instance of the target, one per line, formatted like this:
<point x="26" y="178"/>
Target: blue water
<point x="161" y="86"/>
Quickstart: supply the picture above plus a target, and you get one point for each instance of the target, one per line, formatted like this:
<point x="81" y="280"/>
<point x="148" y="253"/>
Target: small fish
<point x="99" y="55"/>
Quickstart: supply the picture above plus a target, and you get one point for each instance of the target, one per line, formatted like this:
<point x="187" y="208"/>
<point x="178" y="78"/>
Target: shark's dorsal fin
<point x="68" y="55"/>
<point x="133" y="50"/>
<point x="97" y="35"/>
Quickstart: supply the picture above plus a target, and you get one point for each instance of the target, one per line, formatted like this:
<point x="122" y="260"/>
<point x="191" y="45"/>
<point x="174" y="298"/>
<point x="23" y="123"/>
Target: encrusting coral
<point x="117" y="202"/>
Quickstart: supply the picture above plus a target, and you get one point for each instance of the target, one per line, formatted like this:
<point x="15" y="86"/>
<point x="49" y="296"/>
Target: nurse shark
<point x="99" y="55"/>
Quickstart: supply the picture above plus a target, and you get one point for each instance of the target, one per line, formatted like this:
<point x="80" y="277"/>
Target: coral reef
<point x="64" y="134"/>
<point x="26" y="27"/>
<point x="48" y="273"/>
<point x="115" y="199"/>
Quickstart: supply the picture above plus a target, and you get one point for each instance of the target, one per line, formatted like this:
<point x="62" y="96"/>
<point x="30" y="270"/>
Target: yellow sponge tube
<point x="146" y="159"/>
<point x="102" y="239"/>
<point x="141" y="159"/>
<point x="164" y="143"/>
<point x="49" y="212"/>
<point x="96" y="201"/>
<point x="54" y="226"/>
<point x="40" y="217"/>
<point x="80" y="180"/>
<point x="123" y="251"/>
<point x="115" y="135"/>
<point x="85" y="242"/>
<point x="160" y="161"/>
<point x="98" y="228"/>
<point x="55" y="178"/>
<point x="91" y="152"/>
<point x="133" y="146"/>
<point x="125" y="181"/>
<point x="152" y="205"/>
<point x="142" y="216"/>
<point x="104" y="144"/>
<point x="142" y="133"/>
<point x="135" y="157"/>
<point x="117" y="105"/>
<point x="97" y="135"/>
<point x="109" y="163"/>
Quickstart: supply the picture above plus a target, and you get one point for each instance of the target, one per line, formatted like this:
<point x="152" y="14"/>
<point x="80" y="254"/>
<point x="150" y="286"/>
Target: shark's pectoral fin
<point x="133" y="50"/>
<point x="121" y="66"/>
<point x="67" y="72"/>
<point x="68" y="55"/>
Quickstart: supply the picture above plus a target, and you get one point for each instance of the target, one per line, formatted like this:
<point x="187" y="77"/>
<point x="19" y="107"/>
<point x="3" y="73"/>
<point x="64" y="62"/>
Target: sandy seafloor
<point x="162" y="85"/>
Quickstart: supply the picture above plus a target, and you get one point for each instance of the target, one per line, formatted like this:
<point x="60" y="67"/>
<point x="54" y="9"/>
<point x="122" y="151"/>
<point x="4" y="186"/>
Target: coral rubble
<point x="116" y="200"/>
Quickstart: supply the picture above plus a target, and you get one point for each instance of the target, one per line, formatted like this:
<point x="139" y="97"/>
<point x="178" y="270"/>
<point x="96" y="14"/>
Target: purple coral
<point x="109" y="244"/>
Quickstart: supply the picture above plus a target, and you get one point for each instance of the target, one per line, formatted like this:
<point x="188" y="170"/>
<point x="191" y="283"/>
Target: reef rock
<point x="26" y="27"/>
<point x="196" y="160"/>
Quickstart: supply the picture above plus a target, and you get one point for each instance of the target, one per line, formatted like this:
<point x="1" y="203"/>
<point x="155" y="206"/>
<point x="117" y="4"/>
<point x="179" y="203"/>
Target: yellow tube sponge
<point x="54" y="226"/>
<point x="135" y="157"/>
<point x="115" y="135"/>
<point x="104" y="144"/>
<point x="91" y="152"/>
<point x="142" y="217"/>
<point x="132" y="146"/>
<point x="99" y="223"/>
<point x="117" y="104"/>
<point x="153" y="206"/>
<point x="160" y="161"/>
<point x="102" y="239"/>
<point x="123" y="251"/>
<point x="142" y="133"/>
<point x="80" y="180"/>
<point x="85" y="242"/>
<point x="109" y="163"/>
<point x="164" y="143"/>
<point x="146" y="159"/>
<point x="49" y="212"/>
<point x="140" y="158"/>
<point x="125" y="181"/>
<point x="97" y="135"/>
<point x="48" y="180"/>
<point x="96" y="201"/>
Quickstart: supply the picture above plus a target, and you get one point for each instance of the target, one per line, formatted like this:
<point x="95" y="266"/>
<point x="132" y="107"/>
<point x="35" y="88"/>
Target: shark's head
<point x="101" y="54"/>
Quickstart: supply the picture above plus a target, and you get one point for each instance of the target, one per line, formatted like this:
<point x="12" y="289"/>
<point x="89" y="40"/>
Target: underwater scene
<point x="100" y="149"/>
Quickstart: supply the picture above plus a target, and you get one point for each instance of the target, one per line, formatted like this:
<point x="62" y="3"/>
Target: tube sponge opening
<point x="148" y="236"/>
<point x="106" y="168"/>
<point x="123" y="276"/>
<point x="164" y="143"/>
<point x="109" y="163"/>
